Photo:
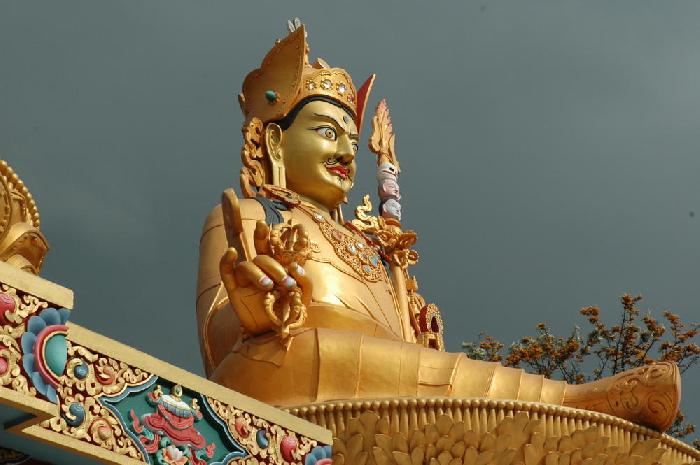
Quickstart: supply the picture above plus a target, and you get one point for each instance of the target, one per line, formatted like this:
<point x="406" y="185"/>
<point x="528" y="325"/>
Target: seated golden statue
<point x="296" y="306"/>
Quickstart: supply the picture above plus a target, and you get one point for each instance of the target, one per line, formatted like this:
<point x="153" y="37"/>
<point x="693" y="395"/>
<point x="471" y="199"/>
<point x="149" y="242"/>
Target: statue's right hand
<point x="250" y="282"/>
<point x="263" y="273"/>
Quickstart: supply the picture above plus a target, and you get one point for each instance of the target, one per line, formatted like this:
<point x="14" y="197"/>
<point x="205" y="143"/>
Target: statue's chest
<point x="347" y="270"/>
<point x="339" y="245"/>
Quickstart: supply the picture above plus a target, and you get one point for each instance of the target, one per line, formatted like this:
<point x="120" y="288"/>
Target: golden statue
<point x="296" y="306"/>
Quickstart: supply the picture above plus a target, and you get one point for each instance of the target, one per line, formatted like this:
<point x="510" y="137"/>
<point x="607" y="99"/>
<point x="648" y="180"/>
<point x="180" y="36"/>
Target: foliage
<point x="601" y="350"/>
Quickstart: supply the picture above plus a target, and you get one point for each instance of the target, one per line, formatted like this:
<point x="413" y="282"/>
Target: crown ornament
<point x="286" y="77"/>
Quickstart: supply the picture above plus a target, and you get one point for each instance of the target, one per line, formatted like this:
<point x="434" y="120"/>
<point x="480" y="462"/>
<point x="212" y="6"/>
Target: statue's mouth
<point x="339" y="170"/>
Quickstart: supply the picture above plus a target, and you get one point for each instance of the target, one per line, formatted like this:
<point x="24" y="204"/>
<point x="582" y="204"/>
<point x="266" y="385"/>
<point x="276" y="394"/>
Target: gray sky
<point x="550" y="150"/>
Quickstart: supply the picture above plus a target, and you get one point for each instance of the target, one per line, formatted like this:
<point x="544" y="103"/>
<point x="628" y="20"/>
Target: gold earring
<point x="337" y="215"/>
<point x="278" y="176"/>
<point x="272" y="141"/>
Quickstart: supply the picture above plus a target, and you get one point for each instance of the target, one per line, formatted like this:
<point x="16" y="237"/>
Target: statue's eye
<point x="327" y="132"/>
<point x="355" y="147"/>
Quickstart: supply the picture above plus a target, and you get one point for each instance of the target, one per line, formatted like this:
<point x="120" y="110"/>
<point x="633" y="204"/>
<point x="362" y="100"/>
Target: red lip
<point x="339" y="170"/>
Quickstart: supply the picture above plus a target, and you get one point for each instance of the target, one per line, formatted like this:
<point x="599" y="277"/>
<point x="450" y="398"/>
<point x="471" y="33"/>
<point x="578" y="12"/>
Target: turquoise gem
<point x="375" y="260"/>
<point x="56" y="353"/>
<point x="81" y="371"/>
<point x="271" y="95"/>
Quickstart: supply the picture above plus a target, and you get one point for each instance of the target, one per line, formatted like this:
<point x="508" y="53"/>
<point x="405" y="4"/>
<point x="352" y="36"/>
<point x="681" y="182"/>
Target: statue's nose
<point x="346" y="154"/>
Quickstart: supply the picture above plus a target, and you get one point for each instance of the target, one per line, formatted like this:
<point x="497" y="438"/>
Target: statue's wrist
<point x="250" y="307"/>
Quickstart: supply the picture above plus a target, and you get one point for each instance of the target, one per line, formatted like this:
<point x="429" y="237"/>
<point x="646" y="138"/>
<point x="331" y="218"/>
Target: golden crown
<point x="285" y="78"/>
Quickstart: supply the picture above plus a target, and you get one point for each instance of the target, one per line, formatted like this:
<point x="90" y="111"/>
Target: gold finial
<point x="21" y="242"/>
<point x="381" y="142"/>
<point x="16" y="183"/>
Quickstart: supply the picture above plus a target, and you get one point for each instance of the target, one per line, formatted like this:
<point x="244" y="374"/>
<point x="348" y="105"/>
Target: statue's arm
<point x="218" y="324"/>
<point x="241" y="269"/>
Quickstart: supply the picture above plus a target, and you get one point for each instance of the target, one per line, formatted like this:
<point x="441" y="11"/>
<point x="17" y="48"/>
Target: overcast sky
<point x="550" y="150"/>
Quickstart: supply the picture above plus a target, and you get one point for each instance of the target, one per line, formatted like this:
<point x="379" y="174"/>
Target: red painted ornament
<point x="242" y="428"/>
<point x="106" y="375"/>
<point x="287" y="446"/>
<point x="3" y="366"/>
<point x="7" y="304"/>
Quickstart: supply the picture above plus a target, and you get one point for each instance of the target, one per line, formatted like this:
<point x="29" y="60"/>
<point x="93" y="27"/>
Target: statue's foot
<point x="648" y="395"/>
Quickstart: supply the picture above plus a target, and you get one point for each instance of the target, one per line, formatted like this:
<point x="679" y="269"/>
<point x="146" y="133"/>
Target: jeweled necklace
<point x="358" y="252"/>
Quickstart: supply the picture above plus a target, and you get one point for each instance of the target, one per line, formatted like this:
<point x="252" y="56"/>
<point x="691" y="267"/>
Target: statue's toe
<point x="648" y="395"/>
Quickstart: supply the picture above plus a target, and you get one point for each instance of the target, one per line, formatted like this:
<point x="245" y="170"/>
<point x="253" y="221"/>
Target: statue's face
<point x="318" y="153"/>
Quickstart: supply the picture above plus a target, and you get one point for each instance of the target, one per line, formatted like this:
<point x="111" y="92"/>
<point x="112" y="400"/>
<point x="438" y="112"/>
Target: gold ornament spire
<point x="21" y="242"/>
<point x="381" y="142"/>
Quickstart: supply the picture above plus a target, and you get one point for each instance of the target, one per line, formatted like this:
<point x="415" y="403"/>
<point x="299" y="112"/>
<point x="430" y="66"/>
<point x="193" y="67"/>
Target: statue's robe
<point x="355" y="343"/>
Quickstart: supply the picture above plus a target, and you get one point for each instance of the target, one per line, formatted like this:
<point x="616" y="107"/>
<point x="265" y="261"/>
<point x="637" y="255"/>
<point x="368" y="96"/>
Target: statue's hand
<point x="271" y="291"/>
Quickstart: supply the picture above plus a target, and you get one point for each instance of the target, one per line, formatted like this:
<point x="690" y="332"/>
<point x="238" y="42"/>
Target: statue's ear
<point x="273" y="144"/>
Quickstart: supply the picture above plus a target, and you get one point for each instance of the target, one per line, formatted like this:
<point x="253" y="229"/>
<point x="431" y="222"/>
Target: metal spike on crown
<point x="294" y="24"/>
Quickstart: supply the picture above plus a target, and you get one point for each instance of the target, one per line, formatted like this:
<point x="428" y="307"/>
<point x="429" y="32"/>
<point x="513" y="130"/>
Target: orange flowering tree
<point x="600" y="350"/>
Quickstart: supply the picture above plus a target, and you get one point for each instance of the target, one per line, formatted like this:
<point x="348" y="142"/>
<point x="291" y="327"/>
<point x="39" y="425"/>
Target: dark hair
<point x="287" y="121"/>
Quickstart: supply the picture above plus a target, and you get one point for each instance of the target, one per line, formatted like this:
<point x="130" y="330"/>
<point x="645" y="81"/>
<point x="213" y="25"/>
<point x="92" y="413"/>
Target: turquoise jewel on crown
<point x="271" y="96"/>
